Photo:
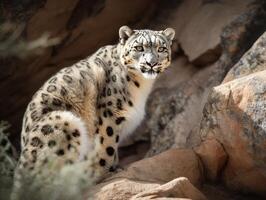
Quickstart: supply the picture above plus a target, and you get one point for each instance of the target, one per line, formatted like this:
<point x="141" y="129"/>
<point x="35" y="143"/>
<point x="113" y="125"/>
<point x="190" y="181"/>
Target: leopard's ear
<point x="169" y="34"/>
<point x="124" y="33"/>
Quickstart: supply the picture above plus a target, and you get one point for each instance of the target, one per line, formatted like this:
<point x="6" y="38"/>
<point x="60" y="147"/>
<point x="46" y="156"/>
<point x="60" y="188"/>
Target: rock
<point x="132" y="153"/>
<point x="54" y="12"/>
<point x="235" y="116"/>
<point x="119" y="189"/>
<point x="254" y="60"/>
<point x="213" y="158"/>
<point x="151" y="173"/>
<point x="238" y="36"/>
<point x="199" y="25"/>
<point x="180" y="70"/>
<point x="150" y="169"/>
<point x="218" y="191"/>
<point x="179" y="188"/>
<point x="212" y="151"/>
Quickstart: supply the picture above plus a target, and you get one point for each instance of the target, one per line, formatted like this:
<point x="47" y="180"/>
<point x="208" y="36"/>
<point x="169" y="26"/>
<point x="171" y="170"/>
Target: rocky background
<point x="204" y="136"/>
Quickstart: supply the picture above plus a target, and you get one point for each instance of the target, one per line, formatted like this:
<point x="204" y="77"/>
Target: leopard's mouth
<point x="149" y="73"/>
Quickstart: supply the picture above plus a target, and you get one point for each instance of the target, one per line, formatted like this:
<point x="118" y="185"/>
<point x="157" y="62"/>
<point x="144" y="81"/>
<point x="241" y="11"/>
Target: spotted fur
<point x="94" y="104"/>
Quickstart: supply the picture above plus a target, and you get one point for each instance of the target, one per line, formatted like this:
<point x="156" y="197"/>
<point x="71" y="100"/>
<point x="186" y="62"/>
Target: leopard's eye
<point x="139" y="48"/>
<point x="161" y="49"/>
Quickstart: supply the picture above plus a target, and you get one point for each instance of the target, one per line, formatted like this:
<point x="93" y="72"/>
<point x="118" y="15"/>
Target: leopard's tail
<point x="59" y="157"/>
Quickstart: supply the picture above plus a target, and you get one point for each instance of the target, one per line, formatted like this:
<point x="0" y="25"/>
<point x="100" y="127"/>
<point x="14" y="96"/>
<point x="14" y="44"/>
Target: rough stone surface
<point x="178" y="188"/>
<point x="254" y="60"/>
<point x="213" y="157"/>
<point x="180" y="70"/>
<point x="217" y="191"/>
<point x="235" y="115"/>
<point x="147" y="174"/>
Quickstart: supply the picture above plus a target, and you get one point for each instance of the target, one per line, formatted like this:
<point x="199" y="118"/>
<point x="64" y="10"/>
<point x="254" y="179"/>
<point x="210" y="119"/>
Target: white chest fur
<point x="135" y="114"/>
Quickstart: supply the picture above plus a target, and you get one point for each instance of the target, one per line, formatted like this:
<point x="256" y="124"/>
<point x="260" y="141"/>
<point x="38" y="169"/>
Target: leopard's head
<point x="145" y="51"/>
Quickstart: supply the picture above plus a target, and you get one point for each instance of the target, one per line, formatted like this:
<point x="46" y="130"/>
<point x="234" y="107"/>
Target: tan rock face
<point x="235" y="115"/>
<point x="179" y="188"/>
<point x="213" y="157"/>
<point x="155" y="176"/>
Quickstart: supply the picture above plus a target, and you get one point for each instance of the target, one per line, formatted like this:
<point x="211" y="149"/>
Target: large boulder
<point x="235" y="116"/>
<point x="233" y="128"/>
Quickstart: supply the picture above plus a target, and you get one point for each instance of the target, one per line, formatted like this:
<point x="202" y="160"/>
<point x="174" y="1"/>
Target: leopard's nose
<point x="151" y="64"/>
